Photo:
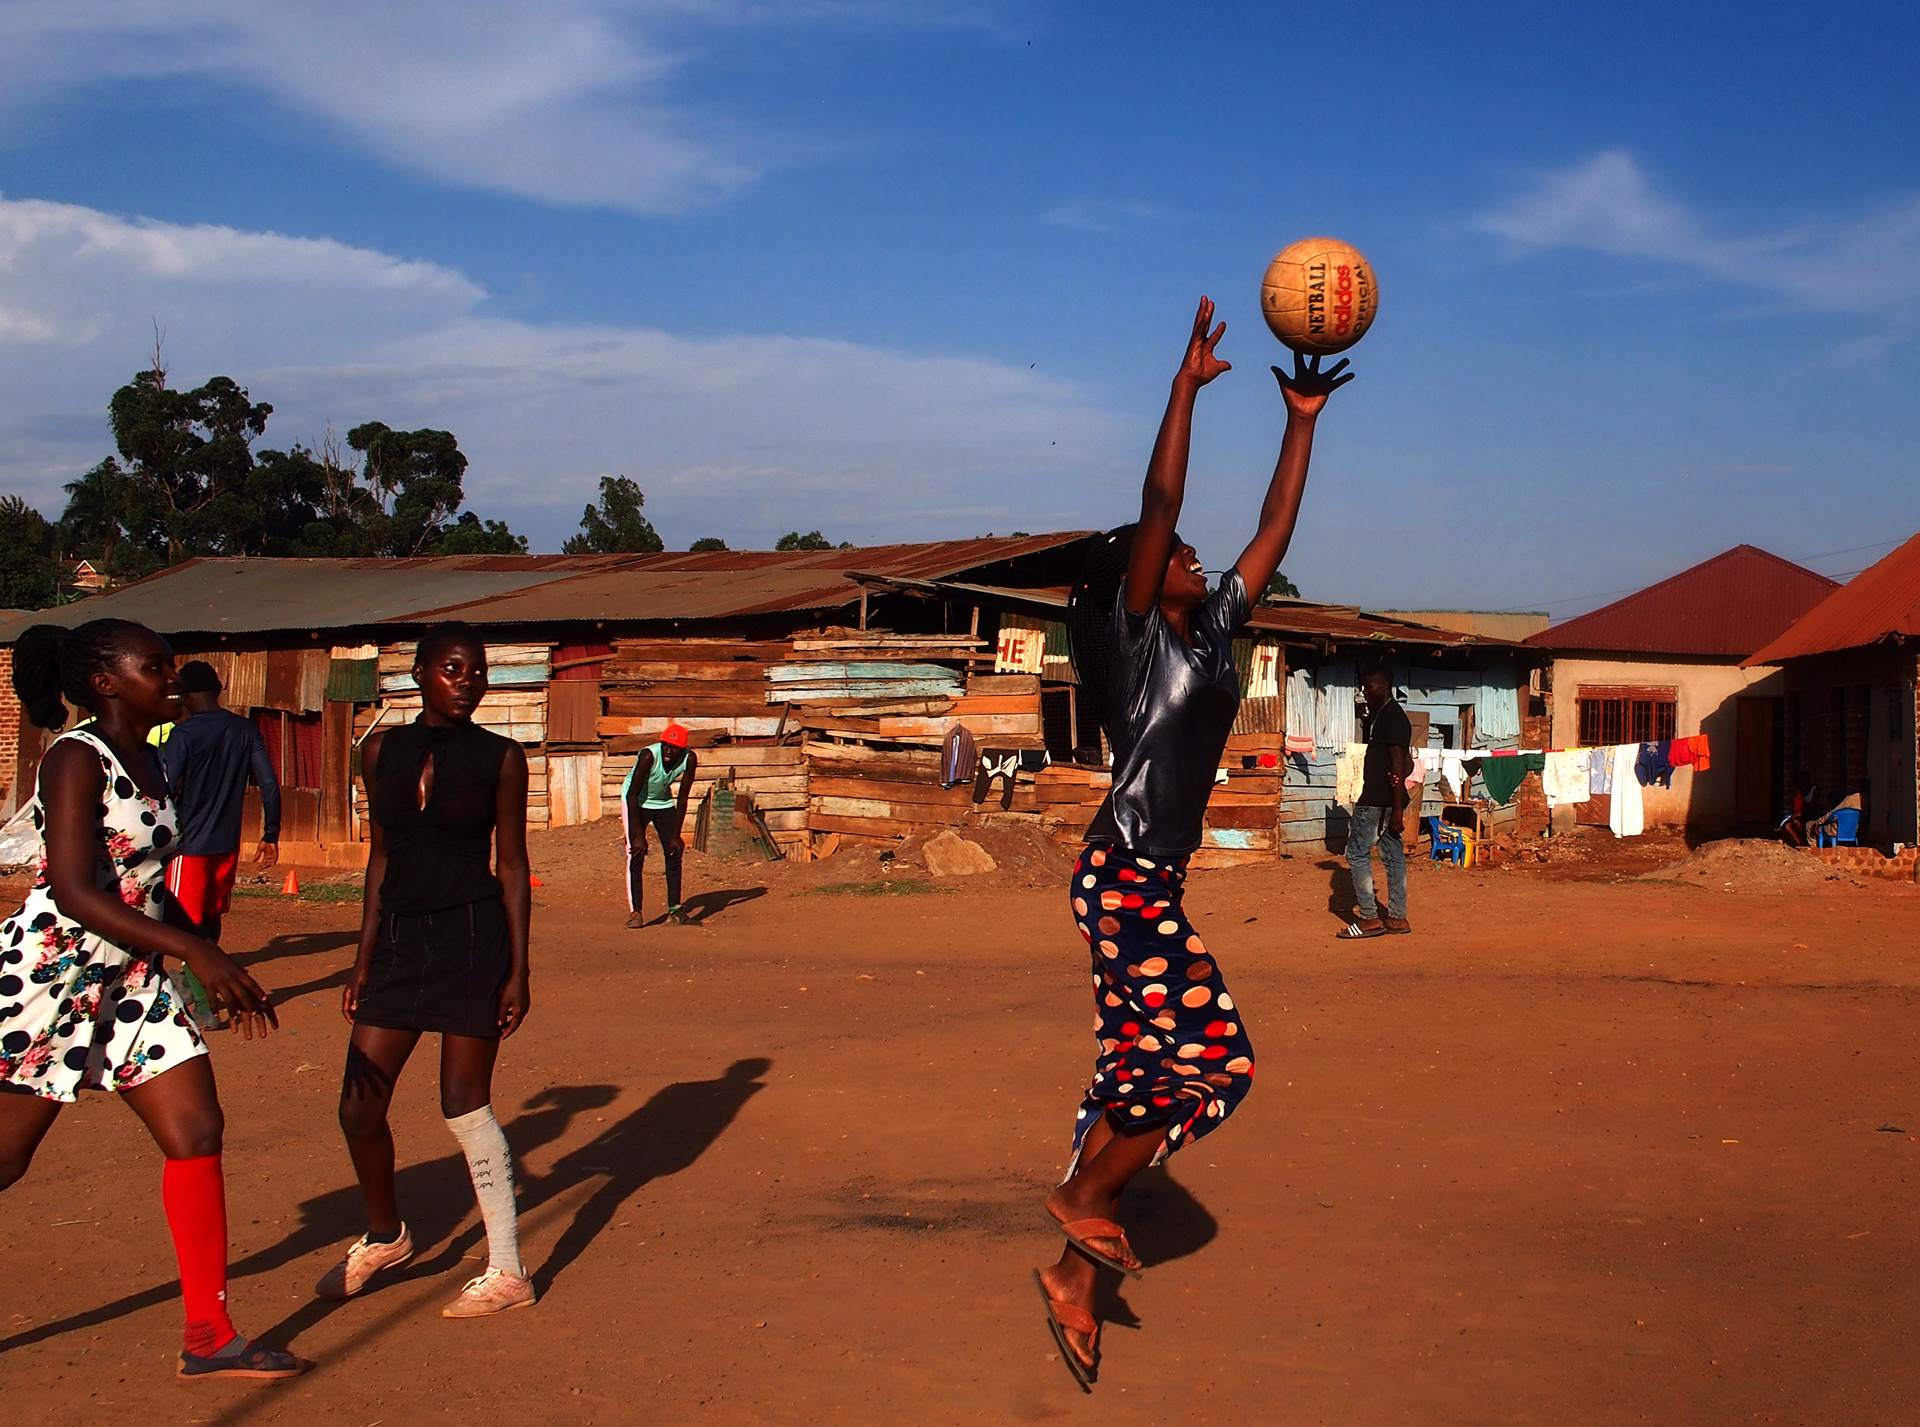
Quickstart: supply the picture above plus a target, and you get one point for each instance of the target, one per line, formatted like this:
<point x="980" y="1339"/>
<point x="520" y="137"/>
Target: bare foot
<point x="1067" y="1210"/>
<point x="1071" y="1285"/>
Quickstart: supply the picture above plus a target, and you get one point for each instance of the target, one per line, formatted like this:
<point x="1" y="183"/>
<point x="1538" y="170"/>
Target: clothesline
<point x="1567" y="775"/>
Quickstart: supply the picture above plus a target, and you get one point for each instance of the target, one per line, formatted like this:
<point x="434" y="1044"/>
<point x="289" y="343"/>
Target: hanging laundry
<point x="1599" y="771"/>
<point x="959" y="755"/>
<point x="996" y="763"/>
<point x="1335" y="691"/>
<point x="1453" y="768"/>
<point x="1702" y="752"/>
<point x="1417" y="775"/>
<point x="1503" y="774"/>
<point x="1301" y="706"/>
<point x="1626" y="816"/>
<point x="1496" y="705"/>
<point x="1301" y="743"/>
<point x="1348" y="772"/>
<point x="1566" y="776"/>
<point x="1653" y="765"/>
<point x="1680" y="753"/>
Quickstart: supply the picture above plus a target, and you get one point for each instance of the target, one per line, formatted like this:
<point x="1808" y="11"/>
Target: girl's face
<point x="454" y="680"/>
<point x="1186" y="582"/>
<point x="142" y="681"/>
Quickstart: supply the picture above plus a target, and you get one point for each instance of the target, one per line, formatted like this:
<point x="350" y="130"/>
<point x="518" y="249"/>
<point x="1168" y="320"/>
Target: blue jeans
<point x="1362" y="838"/>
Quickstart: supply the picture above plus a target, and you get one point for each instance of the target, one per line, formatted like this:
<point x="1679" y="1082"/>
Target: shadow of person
<point x="677" y="1125"/>
<point x="289" y="944"/>
<point x="435" y="1195"/>
<point x="1340" y="891"/>
<point x="703" y="905"/>
<point x="1164" y="1222"/>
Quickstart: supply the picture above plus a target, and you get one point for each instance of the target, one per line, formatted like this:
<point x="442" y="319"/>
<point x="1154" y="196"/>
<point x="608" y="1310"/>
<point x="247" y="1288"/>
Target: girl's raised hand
<point x="1200" y="366"/>
<point x="1308" y="388"/>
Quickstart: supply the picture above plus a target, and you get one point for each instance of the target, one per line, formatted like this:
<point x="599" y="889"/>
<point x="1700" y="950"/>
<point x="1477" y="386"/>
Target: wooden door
<point x="1756" y="761"/>
<point x="573" y="788"/>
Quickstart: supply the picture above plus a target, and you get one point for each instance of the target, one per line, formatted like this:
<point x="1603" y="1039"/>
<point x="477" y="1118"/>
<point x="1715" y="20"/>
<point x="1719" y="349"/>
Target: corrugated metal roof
<point x="1498" y="624"/>
<point x="1723" y="608"/>
<point x="260" y="595"/>
<point x="1300" y="620"/>
<point x="1881" y="602"/>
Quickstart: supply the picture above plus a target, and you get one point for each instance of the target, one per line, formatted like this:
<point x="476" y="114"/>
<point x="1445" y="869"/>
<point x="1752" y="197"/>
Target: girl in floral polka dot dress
<point x="86" y="1000"/>
<point x="1153" y="650"/>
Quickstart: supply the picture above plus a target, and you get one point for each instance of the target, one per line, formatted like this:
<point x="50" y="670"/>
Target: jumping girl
<point x="1154" y="650"/>
<point x="443" y="948"/>
<point x="86" y="1002"/>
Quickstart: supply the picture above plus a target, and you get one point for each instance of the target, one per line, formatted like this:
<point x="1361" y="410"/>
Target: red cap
<point x="674" y="734"/>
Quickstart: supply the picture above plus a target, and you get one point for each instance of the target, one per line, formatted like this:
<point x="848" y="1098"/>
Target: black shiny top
<point x="441" y="855"/>
<point x="1171" y="706"/>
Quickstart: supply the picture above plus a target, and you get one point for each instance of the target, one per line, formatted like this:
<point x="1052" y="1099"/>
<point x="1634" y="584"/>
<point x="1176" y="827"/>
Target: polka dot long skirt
<point x="78" y="1012"/>
<point x="1172" y="1050"/>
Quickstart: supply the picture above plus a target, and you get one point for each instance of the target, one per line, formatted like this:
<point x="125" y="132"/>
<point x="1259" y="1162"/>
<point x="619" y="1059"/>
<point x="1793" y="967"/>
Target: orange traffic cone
<point x="534" y="881"/>
<point x="290" y="887"/>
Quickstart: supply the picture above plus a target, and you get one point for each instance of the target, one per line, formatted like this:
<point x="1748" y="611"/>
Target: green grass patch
<point x="886" y="887"/>
<point x="330" y="892"/>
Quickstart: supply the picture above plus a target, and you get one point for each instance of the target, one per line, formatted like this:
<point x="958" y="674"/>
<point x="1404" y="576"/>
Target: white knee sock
<point x="491" y="1166"/>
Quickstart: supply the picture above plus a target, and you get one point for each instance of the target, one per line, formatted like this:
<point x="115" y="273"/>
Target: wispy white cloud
<point x="1863" y="265"/>
<point x="741" y="436"/>
<point x="1104" y="216"/>
<point x="568" y="101"/>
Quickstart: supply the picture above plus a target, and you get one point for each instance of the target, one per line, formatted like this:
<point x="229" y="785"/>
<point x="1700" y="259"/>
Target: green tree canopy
<point x="614" y="525"/>
<point x="706" y="543"/>
<point x="1281" y="588"/>
<point x="29" y="574"/>
<point x="812" y="540"/>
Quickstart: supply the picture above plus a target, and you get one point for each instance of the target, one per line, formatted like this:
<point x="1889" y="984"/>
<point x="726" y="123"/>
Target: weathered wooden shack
<point x="819" y="685"/>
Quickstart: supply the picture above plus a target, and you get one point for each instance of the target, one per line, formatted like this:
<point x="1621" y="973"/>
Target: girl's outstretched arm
<point x="1305" y="392"/>
<point x="1166" y="484"/>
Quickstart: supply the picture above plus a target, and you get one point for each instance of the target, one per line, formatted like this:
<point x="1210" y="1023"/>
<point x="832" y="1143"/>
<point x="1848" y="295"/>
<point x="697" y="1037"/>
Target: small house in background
<point x="1850" y="674"/>
<point x="1517" y="625"/>
<point x="1674" y="660"/>
<point x="83" y="578"/>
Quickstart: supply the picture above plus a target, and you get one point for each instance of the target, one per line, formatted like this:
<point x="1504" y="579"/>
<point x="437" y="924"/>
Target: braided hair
<point x="54" y="666"/>
<point x="1090" y="621"/>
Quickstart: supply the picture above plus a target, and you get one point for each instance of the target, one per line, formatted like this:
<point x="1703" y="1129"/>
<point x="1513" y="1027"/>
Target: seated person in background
<point x="1793" y="827"/>
<point x="1856" y="800"/>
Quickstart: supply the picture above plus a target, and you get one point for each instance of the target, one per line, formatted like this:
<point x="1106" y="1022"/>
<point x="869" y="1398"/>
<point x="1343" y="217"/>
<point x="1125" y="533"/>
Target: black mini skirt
<point x="440" y="971"/>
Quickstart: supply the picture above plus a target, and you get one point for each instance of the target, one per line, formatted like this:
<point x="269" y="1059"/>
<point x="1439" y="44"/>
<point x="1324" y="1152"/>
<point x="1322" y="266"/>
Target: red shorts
<point x="203" y="886"/>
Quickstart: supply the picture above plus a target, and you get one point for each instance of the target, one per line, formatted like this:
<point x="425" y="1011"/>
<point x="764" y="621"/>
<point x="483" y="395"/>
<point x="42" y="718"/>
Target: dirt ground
<point x="1588" y="1148"/>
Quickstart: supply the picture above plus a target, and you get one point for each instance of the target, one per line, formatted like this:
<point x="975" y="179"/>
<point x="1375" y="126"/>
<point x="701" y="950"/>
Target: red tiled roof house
<point x="1851" y="667"/>
<point x="1672" y="660"/>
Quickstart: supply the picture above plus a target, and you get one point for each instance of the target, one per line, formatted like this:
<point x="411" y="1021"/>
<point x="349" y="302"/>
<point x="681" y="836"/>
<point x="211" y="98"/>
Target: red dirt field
<point x="1586" y="1149"/>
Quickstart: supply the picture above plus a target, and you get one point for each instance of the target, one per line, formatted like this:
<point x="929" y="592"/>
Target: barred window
<point x="1610" y="715"/>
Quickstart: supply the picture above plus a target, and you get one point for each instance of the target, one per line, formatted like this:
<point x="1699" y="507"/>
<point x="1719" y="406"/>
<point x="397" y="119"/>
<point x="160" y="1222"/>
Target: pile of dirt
<point x="1752" y="864"/>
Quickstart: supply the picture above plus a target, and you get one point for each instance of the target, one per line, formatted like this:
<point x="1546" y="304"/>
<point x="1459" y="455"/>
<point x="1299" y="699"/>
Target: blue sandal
<point x="255" y="1360"/>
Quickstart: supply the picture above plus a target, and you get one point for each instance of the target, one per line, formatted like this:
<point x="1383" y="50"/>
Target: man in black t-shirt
<point x="1380" y="816"/>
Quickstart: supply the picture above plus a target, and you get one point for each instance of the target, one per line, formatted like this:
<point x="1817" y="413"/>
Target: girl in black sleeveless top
<point x="1154" y="653"/>
<point x="443" y="948"/>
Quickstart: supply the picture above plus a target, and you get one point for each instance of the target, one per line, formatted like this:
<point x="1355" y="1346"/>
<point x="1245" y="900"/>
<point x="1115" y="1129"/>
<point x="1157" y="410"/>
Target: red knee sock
<point x="195" y="1196"/>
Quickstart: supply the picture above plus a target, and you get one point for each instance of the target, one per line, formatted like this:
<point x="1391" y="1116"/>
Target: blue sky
<point x="1651" y="280"/>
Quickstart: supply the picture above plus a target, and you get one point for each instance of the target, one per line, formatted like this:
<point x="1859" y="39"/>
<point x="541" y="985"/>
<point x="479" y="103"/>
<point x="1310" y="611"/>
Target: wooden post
<point x="863" y="609"/>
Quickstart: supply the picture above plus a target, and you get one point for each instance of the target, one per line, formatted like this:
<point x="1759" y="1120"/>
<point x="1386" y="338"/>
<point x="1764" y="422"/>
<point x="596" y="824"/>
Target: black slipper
<point x="255" y="1360"/>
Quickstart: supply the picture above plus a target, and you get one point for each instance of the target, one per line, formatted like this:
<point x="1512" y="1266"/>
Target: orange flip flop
<point x="1063" y="1318"/>
<point x="1079" y="1231"/>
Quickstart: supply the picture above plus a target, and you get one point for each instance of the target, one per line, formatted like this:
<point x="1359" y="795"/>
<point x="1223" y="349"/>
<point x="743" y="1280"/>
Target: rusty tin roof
<point x="1881" y="602"/>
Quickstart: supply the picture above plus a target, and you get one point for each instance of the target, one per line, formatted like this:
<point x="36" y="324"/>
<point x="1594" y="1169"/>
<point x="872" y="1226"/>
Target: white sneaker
<point x="494" y="1291"/>
<point x="364" y="1259"/>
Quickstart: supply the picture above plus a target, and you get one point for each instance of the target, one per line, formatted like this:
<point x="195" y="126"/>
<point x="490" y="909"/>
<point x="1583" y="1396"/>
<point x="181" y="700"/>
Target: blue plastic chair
<point x="1445" y="842"/>
<point x="1846" y="829"/>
